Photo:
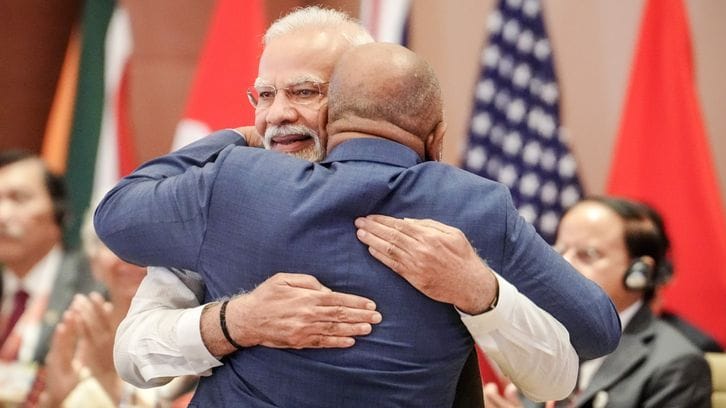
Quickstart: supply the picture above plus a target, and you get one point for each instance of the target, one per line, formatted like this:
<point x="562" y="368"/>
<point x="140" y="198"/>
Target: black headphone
<point x="640" y="275"/>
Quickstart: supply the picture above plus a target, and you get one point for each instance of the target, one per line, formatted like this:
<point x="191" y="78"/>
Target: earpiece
<point x="639" y="275"/>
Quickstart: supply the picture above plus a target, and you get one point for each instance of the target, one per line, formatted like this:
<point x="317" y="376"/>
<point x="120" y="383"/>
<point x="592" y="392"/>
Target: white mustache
<point x="274" y="131"/>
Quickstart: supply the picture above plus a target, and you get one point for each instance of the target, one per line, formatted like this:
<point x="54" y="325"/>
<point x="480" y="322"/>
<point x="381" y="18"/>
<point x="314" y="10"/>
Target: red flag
<point x="662" y="157"/>
<point x="227" y="67"/>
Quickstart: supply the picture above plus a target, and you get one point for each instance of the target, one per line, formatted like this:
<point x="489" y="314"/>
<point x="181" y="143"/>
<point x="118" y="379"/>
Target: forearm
<point x="157" y="215"/>
<point x="160" y="337"/>
<point x="145" y="361"/>
<point x="529" y="345"/>
<point x="211" y="330"/>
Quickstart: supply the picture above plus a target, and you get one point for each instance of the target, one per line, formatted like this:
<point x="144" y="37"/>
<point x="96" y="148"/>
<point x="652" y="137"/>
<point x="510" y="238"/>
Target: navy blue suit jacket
<point x="238" y="215"/>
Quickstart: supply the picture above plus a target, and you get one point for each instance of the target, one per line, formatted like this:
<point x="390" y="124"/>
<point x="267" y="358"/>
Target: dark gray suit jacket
<point x="654" y="366"/>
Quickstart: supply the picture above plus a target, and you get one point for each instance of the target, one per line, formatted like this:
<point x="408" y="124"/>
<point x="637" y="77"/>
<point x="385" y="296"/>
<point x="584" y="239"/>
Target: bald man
<point x="385" y="119"/>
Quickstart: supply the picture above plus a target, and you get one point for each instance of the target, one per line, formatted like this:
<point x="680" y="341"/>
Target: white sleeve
<point x="530" y="346"/>
<point x="160" y="337"/>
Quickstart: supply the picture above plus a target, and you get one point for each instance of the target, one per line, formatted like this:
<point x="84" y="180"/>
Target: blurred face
<point x="27" y="225"/>
<point x="121" y="278"/>
<point x="591" y="238"/>
<point x="289" y="62"/>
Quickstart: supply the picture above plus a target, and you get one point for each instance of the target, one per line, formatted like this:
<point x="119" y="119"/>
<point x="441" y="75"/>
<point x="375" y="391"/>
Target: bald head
<point x="385" y="83"/>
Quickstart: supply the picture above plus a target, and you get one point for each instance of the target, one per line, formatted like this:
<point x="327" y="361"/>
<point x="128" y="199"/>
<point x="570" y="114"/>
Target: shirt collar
<point x="627" y="315"/>
<point x="40" y="278"/>
<point x="375" y="150"/>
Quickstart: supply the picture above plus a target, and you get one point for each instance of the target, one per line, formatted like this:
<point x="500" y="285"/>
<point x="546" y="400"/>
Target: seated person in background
<point x="38" y="276"/>
<point x="621" y="245"/>
<point x="79" y="368"/>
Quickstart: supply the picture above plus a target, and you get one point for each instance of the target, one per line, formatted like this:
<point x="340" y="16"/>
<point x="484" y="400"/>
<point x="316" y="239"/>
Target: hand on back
<point x="296" y="311"/>
<point x="435" y="258"/>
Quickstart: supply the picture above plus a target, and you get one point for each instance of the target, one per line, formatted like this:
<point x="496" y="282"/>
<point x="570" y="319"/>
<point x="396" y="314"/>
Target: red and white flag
<point x="116" y="155"/>
<point x="227" y="67"/>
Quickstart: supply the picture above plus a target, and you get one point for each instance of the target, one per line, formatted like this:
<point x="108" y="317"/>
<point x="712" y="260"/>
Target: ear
<point x="435" y="143"/>
<point x="640" y="274"/>
<point x="648" y="260"/>
<point x="323" y="122"/>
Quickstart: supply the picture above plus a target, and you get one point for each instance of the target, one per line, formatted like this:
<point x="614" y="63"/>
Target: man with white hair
<point x="288" y="120"/>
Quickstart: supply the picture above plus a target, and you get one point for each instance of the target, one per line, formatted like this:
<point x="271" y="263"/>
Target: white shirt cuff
<point x="189" y="339"/>
<point x="482" y="324"/>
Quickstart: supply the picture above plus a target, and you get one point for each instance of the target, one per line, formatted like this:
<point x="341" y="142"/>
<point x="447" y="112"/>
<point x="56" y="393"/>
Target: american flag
<point x="514" y="134"/>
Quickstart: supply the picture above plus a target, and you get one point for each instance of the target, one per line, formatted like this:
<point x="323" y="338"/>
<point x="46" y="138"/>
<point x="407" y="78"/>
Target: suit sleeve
<point x="157" y="215"/>
<point x="547" y="279"/>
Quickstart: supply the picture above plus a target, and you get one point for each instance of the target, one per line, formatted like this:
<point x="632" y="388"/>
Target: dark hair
<point x="54" y="183"/>
<point x="645" y="235"/>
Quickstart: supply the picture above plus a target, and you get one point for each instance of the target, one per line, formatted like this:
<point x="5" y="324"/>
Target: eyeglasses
<point x="587" y="255"/>
<point x="304" y="93"/>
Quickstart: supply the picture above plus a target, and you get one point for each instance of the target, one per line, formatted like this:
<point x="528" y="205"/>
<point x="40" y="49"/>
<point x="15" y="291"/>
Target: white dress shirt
<point x="38" y="283"/>
<point x="160" y="337"/>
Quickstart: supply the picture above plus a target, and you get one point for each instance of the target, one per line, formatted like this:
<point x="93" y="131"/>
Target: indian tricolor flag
<point x="92" y="141"/>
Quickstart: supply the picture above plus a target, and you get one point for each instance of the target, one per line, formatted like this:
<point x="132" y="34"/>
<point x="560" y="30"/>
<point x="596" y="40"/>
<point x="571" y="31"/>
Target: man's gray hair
<point x="319" y="18"/>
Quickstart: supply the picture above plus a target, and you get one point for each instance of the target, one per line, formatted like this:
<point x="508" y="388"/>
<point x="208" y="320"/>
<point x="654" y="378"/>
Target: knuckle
<point x="325" y="298"/>
<point x="341" y="313"/>
<point x="329" y="328"/>
<point x="398" y="225"/>
<point x="316" y="341"/>
<point x="392" y="236"/>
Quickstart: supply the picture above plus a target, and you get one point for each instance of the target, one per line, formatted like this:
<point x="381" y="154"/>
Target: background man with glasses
<point x="622" y="245"/>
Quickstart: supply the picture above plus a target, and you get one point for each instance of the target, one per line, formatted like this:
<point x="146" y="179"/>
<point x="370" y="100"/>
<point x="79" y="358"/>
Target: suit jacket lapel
<point x="633" y="349"/>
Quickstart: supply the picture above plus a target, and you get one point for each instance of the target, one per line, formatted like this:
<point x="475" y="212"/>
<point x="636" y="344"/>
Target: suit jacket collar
<point x="633" y="349"/>
<point x="375" y="150"/>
